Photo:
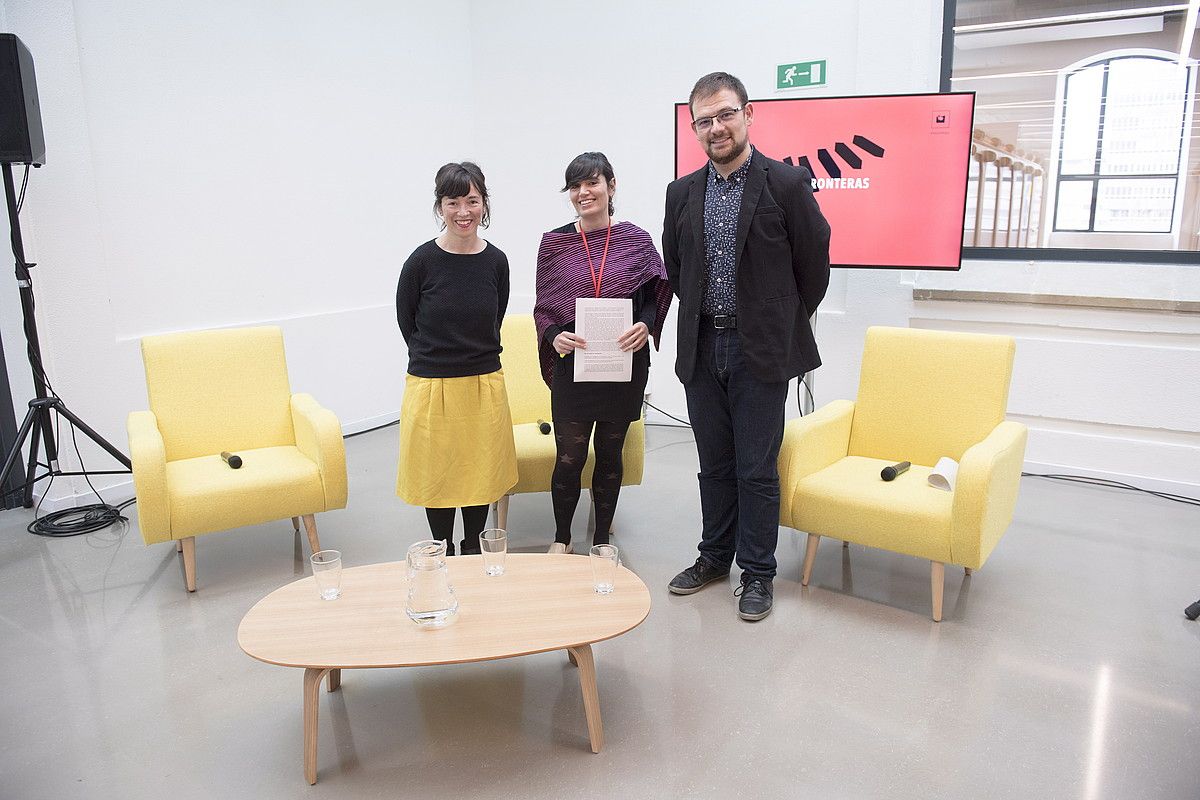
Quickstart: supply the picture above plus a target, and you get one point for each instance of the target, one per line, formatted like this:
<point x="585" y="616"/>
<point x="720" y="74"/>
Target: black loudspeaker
<point x="21" y="139"/>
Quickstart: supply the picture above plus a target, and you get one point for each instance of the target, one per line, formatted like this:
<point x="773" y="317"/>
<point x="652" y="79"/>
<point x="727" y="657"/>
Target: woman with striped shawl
<point x="594" y="257"/>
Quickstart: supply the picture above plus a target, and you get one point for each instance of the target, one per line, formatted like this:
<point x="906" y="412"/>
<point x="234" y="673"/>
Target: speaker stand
<point x="38" y="421"/>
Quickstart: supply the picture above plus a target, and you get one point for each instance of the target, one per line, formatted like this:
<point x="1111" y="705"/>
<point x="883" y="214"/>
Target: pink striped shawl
<point x="563" y="275"/>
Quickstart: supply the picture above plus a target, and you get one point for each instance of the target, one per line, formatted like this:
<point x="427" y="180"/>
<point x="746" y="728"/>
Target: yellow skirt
<point x="456" y="441"/>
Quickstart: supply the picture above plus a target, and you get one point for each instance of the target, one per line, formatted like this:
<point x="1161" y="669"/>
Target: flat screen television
<point x="890" y="170"/>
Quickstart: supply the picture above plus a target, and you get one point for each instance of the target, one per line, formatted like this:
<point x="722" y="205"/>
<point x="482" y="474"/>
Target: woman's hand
<point x="567" y="342"/>
<point x="634" y="338"/>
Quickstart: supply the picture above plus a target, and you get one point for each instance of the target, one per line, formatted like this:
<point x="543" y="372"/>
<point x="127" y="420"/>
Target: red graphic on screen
<point x="891" y="171"/>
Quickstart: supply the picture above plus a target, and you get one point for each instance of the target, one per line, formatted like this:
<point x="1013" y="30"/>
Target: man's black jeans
<point x="738" y="423"/>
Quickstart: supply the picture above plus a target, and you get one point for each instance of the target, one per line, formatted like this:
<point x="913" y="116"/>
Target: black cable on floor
<point x="1111" y="484"/>
<point x="686" y="424"/>
<point x="800" y="397"/>
<point x="80" y="519"/>
<point x="77" y="521"/>
<point x="371" y="430"/>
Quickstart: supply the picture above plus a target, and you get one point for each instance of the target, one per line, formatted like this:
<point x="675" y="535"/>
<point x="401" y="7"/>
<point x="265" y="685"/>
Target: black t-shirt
<point x="449" y="307"/>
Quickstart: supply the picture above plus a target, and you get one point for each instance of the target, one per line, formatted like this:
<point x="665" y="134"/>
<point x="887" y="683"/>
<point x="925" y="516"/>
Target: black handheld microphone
<point x="890" y="473"/>
<point x="1192" y="611"/>
<point x="544" y="427"/>
<point x="234" y="462"/>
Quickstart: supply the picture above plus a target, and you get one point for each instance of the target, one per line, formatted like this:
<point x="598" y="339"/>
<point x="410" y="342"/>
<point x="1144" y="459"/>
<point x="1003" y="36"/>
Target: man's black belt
<point x="720" y="321"/>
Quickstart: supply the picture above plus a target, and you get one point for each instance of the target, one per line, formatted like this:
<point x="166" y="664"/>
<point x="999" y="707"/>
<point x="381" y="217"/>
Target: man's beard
<point x="734" y="154"/>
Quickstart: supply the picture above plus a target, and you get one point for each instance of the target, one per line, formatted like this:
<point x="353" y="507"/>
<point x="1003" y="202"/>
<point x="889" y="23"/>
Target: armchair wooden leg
<point x="296" y="524"/>
<point x="937" y="575"/>
<point x="310" y="527"/>
<point x="967" y="571"/>
<point x="810" y="555"/>
<point x="500" y="512"/>
<point x="179" y="545"/>
<point x="188" y="546"/>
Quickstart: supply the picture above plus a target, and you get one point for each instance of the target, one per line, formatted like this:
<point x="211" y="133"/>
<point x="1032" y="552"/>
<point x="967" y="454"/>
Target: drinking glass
<point x="605" y="559"/>
<point x="493" y="545"/>
<point x="327" y="570"/>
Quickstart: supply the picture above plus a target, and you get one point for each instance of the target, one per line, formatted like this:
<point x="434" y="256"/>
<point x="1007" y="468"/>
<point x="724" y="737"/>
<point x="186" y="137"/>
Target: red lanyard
<point x="596" y="279"/>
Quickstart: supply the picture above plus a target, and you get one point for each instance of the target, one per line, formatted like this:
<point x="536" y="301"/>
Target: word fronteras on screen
<point x="833" y="169"/>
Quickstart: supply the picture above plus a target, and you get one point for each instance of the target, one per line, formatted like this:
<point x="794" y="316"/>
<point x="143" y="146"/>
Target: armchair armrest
<point x="810" y="444"/>
<point x="985" y="493"/>
<point x="319" y="437"/>
<point x="148" y="454"/>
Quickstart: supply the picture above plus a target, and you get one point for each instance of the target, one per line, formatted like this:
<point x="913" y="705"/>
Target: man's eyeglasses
<point x="704" y="124"/>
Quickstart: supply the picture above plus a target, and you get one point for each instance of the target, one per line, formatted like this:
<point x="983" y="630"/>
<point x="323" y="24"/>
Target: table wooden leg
<point x="591" y="697"/>
<point x="335" y="679"/>
<point x="312" y="690"/>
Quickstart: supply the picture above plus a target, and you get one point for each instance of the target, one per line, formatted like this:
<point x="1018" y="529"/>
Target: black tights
<point x="571" y="441"/>
<point x="441" y="522"/>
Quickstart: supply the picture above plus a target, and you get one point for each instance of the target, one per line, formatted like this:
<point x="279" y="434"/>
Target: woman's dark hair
<point x="589" y="165"/>
<point x="455" y="180"/>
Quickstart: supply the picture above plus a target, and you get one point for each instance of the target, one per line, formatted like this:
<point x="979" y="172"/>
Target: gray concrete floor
<point x="1063" y="669"/>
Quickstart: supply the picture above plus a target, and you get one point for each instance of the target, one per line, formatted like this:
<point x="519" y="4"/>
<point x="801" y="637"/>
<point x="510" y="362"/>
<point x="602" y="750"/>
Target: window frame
<point x="1096" y="176"/>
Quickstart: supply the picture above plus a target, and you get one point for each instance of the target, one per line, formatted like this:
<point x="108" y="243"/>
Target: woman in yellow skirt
<point x="456" y="442"/>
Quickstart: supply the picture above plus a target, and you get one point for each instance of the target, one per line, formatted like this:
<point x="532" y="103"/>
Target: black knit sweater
<point x="449" y="307"/>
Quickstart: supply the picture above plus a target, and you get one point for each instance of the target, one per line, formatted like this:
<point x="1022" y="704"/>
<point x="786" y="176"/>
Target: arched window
<point x="1122" y="124"/>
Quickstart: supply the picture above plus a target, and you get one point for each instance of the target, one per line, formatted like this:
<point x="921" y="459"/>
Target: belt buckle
<point x="724" y="321"/>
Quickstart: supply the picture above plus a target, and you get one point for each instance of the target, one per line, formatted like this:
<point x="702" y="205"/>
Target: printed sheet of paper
<point x="601" y="321"/>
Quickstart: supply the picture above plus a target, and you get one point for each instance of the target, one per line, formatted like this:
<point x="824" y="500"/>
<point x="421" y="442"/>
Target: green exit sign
<point x="800" y="75"/>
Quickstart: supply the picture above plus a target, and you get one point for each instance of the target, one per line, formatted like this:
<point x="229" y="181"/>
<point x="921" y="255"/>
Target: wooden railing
<point x="1005" y="197"/>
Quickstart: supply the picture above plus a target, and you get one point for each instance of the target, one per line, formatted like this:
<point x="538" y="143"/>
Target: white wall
<point x="225" y="163"/>
<point x="230" y="163"/>
<point x="1107" y="392"/>
<point x="561" y="80"/>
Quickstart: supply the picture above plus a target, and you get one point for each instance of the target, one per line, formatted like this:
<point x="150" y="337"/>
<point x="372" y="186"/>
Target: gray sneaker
<point x="755" y="597"/>
<point x="696" y="577"/>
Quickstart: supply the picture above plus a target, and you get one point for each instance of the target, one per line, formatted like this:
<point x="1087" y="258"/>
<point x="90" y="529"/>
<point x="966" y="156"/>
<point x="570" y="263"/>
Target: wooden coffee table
<point x="541" y="603"/>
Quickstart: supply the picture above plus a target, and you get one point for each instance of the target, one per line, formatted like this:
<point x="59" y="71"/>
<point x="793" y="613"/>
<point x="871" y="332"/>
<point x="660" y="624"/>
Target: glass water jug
<point x="431" y="600"/>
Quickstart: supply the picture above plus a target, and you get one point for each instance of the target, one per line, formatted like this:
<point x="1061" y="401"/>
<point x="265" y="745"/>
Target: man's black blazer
<point x="782" y="251"/>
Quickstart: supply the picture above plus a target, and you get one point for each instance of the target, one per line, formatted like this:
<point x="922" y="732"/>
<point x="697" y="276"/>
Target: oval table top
<point x="542" y="602"/>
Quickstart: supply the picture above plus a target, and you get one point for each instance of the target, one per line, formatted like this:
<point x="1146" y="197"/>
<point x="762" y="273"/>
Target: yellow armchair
<point x="922" y="395"/>
<point x="529" y="401"/>
<point x="227" y="390"/>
